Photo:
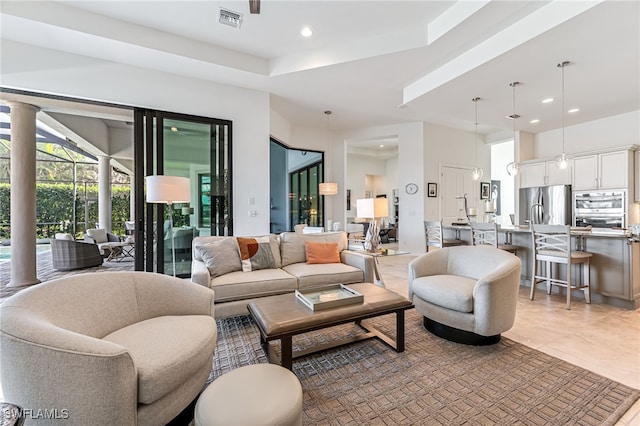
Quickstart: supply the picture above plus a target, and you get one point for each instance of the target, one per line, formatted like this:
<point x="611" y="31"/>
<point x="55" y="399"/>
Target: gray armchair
<point x="114" y="348"/>
<point x="467" y="294"/>
<point x="67" y="255"/>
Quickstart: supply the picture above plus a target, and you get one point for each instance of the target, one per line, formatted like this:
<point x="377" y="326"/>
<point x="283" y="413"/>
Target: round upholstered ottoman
<point x="260" y="394"/>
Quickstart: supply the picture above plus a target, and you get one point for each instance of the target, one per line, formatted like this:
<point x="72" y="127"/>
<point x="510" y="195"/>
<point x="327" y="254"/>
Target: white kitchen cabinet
<point x="544" y="173"/>
<point x="609" y="170"/>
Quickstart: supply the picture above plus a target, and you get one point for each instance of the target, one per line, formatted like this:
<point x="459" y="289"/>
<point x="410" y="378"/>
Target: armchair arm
<point x="495" y="298"/>
<point x="200" y="273"/>
<point x="359" y="260"/>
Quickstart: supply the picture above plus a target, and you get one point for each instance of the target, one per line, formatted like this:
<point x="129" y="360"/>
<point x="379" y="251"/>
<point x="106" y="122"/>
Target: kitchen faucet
<point x="466" y="210"/>
<point x="531" y="214"/>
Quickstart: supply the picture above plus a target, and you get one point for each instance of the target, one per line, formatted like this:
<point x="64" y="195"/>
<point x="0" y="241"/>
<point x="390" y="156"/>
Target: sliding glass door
<point x="306" y="203"/>
<point x="199" y="149"/>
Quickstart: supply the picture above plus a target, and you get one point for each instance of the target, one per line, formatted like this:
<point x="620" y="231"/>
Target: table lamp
<point x="169" y="190"/>
<point x="372" y="208"/>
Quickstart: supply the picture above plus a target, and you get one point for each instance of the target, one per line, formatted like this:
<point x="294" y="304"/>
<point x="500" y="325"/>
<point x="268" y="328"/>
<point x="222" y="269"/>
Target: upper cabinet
<point x="544" y="173"/>
<point x="609" y="170"/>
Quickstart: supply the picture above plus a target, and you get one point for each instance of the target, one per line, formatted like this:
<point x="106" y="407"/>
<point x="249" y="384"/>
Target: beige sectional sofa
<point x="235" y="289"/>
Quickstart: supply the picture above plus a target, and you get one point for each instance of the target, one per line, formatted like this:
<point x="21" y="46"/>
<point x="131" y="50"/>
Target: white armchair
<point x="114" y="348"/>
<point x="467" y="294"/>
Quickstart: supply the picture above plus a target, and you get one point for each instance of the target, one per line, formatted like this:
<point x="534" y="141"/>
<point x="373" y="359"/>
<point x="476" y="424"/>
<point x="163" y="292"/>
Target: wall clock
<point x="411" y="188"/>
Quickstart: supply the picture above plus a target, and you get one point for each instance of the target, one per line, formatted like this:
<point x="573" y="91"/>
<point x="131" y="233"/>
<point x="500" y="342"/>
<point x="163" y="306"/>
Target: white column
<point x="132" y="198"/>
<point x="23" y="194"/>
<point x="104" y="192"/>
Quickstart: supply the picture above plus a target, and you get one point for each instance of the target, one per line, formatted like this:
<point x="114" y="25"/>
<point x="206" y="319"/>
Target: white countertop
<point x="594" y="232"/>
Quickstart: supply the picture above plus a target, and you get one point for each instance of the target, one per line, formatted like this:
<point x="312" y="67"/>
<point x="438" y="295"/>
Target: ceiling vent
<point x="228" y="17"/>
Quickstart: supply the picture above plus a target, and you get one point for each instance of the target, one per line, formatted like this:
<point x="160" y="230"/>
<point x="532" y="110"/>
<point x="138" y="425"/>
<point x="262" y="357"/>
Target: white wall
<point x="48" y="71"/>
<point x="610" y="132"/>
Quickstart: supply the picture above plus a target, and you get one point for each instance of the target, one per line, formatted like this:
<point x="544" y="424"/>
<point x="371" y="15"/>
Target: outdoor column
<point x="104" y="192"/>
<point x="132" y="198"/>
<point x="23" y="194"/>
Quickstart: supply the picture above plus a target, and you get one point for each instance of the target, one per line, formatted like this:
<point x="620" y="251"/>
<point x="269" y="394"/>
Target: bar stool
<point x="433" y="232"/>
<point x="552" y="244"/>
<point x="487" y="234"/>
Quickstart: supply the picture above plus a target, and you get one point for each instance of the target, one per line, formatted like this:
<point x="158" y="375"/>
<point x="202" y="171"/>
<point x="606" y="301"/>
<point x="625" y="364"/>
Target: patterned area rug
<point x="434" y="382"/>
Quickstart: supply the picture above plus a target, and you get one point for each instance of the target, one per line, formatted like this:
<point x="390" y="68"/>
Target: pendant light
<point x="328" y="188"/>
<point x="512" y="167"/>
<point x="562" y="159"/>
<point x="476" y="173"/>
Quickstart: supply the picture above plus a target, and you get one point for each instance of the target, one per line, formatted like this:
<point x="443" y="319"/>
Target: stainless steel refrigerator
<point x="549" y="205"/>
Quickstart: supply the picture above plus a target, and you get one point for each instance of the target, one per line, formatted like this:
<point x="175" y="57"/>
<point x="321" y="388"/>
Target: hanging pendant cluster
<point x="477" y="172"/>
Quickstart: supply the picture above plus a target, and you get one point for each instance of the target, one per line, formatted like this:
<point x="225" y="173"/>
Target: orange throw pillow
<point x="322" y="252"/>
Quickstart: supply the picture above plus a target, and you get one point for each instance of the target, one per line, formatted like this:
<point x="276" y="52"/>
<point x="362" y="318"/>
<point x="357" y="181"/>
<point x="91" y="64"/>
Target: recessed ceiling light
<point x="381" y="146"/>
<point x="174" y="129"/>
<point x="534" y="121"/>
<point x="572" y="110"/>
<point x="306" y="32"/>
<point x="547" y="100"/>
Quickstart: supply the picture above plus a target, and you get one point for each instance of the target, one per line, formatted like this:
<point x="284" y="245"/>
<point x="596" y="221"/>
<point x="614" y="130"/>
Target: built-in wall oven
<point x="600" y="209"/>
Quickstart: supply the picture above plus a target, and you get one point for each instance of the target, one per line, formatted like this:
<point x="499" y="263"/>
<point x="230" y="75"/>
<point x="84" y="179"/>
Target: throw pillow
<point x="255" y="253"/>
<point x="322" y="252"/>
<point x="98" y="235"/>
<point x="221" y="257"/>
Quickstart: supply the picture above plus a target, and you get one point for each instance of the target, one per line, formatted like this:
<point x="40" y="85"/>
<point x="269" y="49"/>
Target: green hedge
<point x="54" y="208"/>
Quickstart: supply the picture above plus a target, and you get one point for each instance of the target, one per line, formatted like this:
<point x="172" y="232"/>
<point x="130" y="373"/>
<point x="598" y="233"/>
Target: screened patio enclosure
<point x="66" y="186"/>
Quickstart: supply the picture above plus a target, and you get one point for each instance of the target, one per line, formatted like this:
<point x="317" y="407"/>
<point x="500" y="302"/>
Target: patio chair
<point x="102" y="239"/>
<point x="67" y="255"/>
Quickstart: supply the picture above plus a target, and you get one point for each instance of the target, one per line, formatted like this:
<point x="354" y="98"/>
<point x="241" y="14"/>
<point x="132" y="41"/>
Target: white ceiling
<point x="366" y="58"/>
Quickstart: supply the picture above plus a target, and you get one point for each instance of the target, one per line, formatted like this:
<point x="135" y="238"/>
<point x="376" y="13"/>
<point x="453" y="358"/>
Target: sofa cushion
<point x="448" y="291"/>
<point x="98" y="235"/>
<point x="255" y="254"/>
<point x="321" y="252"/>
<point x="220" y="256"/>
<point x="246" y="285"/>
<point x="167" y="351"/>
<point x="292" y="244"/>
<point x="322" y="274"/>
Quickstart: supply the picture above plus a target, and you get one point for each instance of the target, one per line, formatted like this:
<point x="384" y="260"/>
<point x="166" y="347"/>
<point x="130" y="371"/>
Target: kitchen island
<point x="615" y="265"/>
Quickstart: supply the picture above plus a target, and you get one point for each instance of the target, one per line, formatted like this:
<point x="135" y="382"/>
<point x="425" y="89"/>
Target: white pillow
<point x="98" y="235"/>
<point x="64" y="236"/>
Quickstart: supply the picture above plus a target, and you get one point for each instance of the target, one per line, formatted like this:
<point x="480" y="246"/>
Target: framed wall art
<point x="432" y="189"/>
<point x="485" y="189"/>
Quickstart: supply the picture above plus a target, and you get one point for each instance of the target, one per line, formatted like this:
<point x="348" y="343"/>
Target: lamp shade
<point x="328" y="188"/>
<point x="168" y="189"/>
<point x="372" y="208"/>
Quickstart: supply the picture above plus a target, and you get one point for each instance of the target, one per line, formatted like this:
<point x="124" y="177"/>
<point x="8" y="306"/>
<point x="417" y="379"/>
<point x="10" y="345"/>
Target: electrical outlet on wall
<point x="253" y="213"/>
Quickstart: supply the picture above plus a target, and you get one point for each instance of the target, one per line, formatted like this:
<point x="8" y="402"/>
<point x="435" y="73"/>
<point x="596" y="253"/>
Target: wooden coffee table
<point x="282" y="317"/>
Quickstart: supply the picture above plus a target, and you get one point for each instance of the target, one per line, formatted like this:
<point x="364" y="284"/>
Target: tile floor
<point x="600" y="338"/>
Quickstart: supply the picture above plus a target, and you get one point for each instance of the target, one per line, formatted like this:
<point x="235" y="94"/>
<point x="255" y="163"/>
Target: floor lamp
<point x="372" y="208"/>
<point x="169" y="190"/>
